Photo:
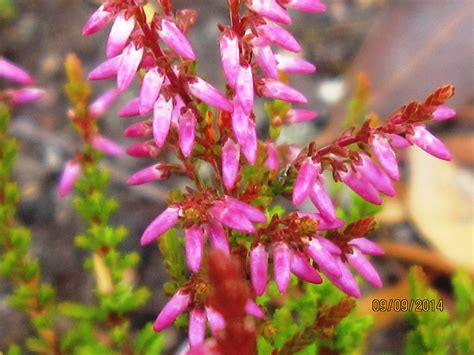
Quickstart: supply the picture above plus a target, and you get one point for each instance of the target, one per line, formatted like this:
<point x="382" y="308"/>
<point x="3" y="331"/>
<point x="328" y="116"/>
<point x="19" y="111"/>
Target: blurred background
<point x="390" y="52"/>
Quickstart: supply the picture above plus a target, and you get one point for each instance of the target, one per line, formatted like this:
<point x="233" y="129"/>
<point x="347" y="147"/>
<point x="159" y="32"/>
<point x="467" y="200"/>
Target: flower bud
<point x="229" y="49"/>
<point x="346" y="281"/>
<point x="259" y="269"/>
<point x="98" y="20"/>
<point x="197" y="326"/>
<point x="230" y="163"/>
<point x="209" y="94"/>
<point x="160" y="225"/>
<point x="175" y="306"/>
<point x="131" y="108"/>
<point x="279" y="36"/>
<point x="367" y="246"/>
<point x="443" y="113"/>
<point x="103" y="103"/>
<point x="155" y="172"/>
<point x="375" y="176"/>
<point x="281" y="266"/>
<point x="294" y="65"/>
<point x="215" y="319"/>
<point x="278" y="90"/>
<point x="269" y="9"/>
<point x="25" y="95"/>
<point x="272" y="162"/>
<point x="361" y="186"/>
<point x="244" y="94"/>
<point x="119" y="34"/>
<point x="252" y="213"/>
<point x="217" y="237"/>
<point x="106" y="145"/>
<point x="253" y="309"/>
<point x="364" y="267"/>
<point x="249" y="143"/>
<point x="303" y="269"/>
<point x="138" y="130"/>
<point x="194" y="244"/>
<point x="13" y="72"/>
<point x="175" y="39"/>
<point x="128" y="67"/>
<point x="299" y="116"/>
<point x="386" y="156"/>
<point x="150" y="90"/>
<point x="429" y="143"/>
<point x="71" y="172"/>
<point x="326" y="262"/>
<point x="266" y="60"/>
<point x="162" y="111"/>
<point x="305" y="5"/>
<point x="187" y="132"/>
<point x="105" y="70"/>
<point x="146" y="149"/>
<point x="231" y="218"/>
<point x="322" y="201"/>
<point x="305" y="180"/>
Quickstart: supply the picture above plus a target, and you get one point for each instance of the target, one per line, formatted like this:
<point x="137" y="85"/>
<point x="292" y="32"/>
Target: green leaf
<point x="148" y="342"/>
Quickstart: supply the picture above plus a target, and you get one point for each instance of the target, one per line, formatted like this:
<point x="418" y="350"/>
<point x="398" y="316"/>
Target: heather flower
<point x="305" y="5"/>
<point x="106" y="70"/>
<point x="131" y="108"/>
<point x="299" y="116"/>
<point x="231" y="217"/>
<point x="346" y="281"/>
<point x="217" y="236"/>
<point x="269" y="9"/>
<point x="303" y="269"/>
<point x="25" y="95"/>
<point x="151" y="173"/>
<point x="249" y="143"/>
<point x="128" y="67"/>
<point x="194" y="244"/>
<point x="244" y="93"/>
<point x="175" y="306"/>
<point x="197" y="326"/>
<point x="326" y="262"/>
<point x="305" y="180"/>
<point x="272" y="161"/>
<point x="398" y="141"/>
<point x="98" y="20"/>
<point x="429" y="143"/>
<point x="375" y="176"/>
<point x="209" y="94"/>
<point x="150" y="90"/>
<point x="103" y="103"/>
<point x="72" y="170"/>
<point x="266" y="60"/>
<point x="253" y="309"/>
<point x="259" y="268"/>
<point x="161" y="120"/>
<point x="161" y="224"/>
<point x="230" y="163"/>
<point x="175" y="39"/>
<point x="13" y="72"/>
<point x="252" y="213"/>
<point x="294" y="65"/>
<point x="323" y="223"/>
<point x="281" y="265"/>
<point x="240" y="124"/>
<point x="146" y="149"/>
<point x="279" y="36"/>
<point x="386" y="156"/>
<point x="187" y="132"/>
<point x="138" y="130"/>
<point x="229" y="49"/>
<point x="364" y="267"/>
<point x="106" y="145"/>
<point x="278" y="90"/>
<point x="119" y="34"/>
<point x="321" y="200"/>
<point x="357" y="183"/>
<point x="443" y="113"/>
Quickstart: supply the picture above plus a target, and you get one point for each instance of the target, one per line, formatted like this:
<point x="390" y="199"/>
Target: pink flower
<point x="98" y="20"/>
<point x="279" y="36"/>
<point x="294" y="65"/>
<point x="305" y="180"/>
<point x="253" y="309"/>
<point x="106" y="145"/>
<point x="175" y="306"/>
<point x="150" y="90"/>
<point x="71" y="172"/>
<point x="13" y="72"/>
<point x="244" y="89"/>
<point x="252" y="213"/>
<point x="386" y="156"/>
<point x="326" y="262"/>
<point x="128" y="67"/>
<point x="324" y="224"/>
<point x="269" y="9"/>
<point x="217" y="236"/>
<point x="155" y="172"/>
<point x="273" y="161"/>
<point x="303" y="269"/>
<point x="194" y="244"/>
<point x="103" y="103"/>
<point x="106" y="70"/>
<point x="138" y="130"/>
<point x="187" y="132"/>
<point x="281" y="265"/>
<point x="443" y="113"/>
<point x="278" y="90"/>
<point x="361" y="186"/>
<point x="146" y="149"/>
<point x="259" y="268"/>
<point x="367" y="246"/>
<point x="266" y="60"/>
<point x="215" y="319"/>
<point x="25" y="95"/>
<point x="299" y="116"/>
<point x="375" y="176"/>
<point x="197" y="326"/>
<point x="322" y="201"/>
<point x="429" y="143"/>
<point x="119" y="34"/>
<point x="230" y="163"/>
<point x="175" y="39"/>
<point x="161" y="120"/>
<point x="229" y="49"/>
<point x="240" y="124"/>
<point x="346" y="281"/>
<point x="161" y="224"/>
<point x="249" y="143"/>
<point x="364" y="267"/>
<point x="231" y="218"/>
<point x="305" y="5"/>
<point x="209" y="94"/>
<point x="397" y="141"/>
<point x="131" y="108"/>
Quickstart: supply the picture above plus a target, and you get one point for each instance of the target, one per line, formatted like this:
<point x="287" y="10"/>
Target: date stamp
<point x="407" y="305"/>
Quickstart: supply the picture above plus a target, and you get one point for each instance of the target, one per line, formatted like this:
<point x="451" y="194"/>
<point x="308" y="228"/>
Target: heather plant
<point x="236" y="239"/>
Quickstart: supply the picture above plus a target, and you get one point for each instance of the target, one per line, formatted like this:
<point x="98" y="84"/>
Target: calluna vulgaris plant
<point x="236" y="207"/>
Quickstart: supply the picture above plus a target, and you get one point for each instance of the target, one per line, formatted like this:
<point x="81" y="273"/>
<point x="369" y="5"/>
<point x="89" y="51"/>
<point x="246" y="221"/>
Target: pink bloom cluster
<point x="167" y="103"/>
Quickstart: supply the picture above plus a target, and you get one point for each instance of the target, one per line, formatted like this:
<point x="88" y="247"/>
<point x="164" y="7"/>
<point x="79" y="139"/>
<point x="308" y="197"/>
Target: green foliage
<point x="172" y="249"/>
<point x="7" y="10"/>
<point x="303" y="322"/>
<point x="148" y="342"/>
<point x="433" y="331"/>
